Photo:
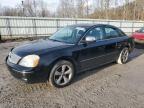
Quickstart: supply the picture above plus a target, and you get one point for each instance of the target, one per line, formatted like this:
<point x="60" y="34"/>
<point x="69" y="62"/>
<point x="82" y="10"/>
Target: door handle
<point x="118" y="45"/>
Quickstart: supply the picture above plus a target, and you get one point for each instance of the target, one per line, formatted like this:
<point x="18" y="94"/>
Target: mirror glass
<point x="90" y="39"/>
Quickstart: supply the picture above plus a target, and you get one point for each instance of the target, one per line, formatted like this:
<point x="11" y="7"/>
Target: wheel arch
<point x="67" y="58"/>
<point x="128" y="45"/>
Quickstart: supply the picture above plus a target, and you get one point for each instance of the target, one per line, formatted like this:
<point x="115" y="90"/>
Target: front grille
<point x="13" y="58"/>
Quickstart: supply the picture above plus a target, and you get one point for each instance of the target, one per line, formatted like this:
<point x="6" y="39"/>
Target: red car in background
<point x="139" y="36"/>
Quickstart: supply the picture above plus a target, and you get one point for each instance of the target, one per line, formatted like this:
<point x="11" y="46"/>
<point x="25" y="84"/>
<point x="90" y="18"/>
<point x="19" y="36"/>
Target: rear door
<point x="111" y="36"/>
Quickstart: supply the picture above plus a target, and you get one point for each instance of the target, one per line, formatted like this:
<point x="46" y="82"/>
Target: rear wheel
<point x="61" y="74"/>
<point x="123" y="57"/>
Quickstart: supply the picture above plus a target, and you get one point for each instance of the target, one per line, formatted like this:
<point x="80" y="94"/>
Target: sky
<point x="52" y="4"/>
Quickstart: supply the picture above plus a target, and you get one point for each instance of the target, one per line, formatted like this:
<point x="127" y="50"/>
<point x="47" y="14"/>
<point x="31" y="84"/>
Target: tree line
<point x="97" y="9"/>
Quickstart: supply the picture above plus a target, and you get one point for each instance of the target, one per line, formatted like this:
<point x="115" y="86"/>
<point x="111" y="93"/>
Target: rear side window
<point x="110" y="33"/>
<point x="121" y="33"/>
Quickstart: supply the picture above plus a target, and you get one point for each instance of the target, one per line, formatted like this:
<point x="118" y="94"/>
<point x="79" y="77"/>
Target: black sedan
<point x="70" y="50"/>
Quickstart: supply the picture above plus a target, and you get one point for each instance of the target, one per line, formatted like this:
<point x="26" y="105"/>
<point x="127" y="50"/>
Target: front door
<point x="92" y="54"/>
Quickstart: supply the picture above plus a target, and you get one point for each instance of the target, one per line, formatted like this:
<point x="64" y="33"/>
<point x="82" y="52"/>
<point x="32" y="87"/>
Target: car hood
<point x="39" y="47"/>
<point x="138" y="35"/>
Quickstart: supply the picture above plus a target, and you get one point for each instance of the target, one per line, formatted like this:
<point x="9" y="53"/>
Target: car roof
<point x="88" y="25"/>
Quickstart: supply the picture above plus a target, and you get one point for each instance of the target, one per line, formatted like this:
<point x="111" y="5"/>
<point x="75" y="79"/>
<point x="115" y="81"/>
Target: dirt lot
<point x="110" y="86"/>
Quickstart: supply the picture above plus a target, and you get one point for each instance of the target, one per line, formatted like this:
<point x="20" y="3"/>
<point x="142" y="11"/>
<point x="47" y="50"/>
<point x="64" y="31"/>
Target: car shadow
<point x="139" y="46"/>
<point x="139" y="50"/>
<point x="90" y="72"/>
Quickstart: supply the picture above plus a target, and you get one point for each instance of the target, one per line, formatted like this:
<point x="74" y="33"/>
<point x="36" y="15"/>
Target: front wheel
<point x="123" y="57"/>
<point x="61" y="74"/>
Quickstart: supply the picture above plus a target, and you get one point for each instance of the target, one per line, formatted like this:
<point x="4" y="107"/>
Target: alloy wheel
<point x="125" y="55"/>
<point x="63" y="75"/>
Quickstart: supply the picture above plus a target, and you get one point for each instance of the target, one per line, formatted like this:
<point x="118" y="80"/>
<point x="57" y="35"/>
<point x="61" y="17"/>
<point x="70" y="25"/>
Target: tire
<point x="61" y="74"/>
<point x="123" y="57"/>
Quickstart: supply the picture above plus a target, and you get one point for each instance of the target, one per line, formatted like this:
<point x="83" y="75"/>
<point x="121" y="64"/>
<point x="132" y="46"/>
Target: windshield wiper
<point x="60" y="41"/>
<point x="55" y="40"/>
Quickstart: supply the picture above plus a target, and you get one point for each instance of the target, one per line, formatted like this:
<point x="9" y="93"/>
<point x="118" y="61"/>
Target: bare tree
<point x="33" y="8"/>
<point x="9" y="12"/>
<point x="115" y="7"/>
<point x="103" y="9"/>
<point x="66" y="8"/>
<point x="80" y="8"/>
<point x="42" y="9"/>
<point x="30" y="7"/>
<point x="86" y="2"/>
<point x="0" y="10"/>
<point x="125" y="9"/>
<point x="107" y="6"/>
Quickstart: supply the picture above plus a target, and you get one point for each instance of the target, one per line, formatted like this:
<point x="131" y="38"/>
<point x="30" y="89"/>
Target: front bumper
<point x="28" y="75"/>
<point x="140" y="41"/>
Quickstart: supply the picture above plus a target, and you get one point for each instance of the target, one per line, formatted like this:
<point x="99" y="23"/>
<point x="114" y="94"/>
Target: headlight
<point x="30" y="61"/>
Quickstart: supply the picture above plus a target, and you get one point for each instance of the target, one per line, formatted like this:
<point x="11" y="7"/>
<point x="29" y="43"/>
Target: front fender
<point x="48" y="60"/>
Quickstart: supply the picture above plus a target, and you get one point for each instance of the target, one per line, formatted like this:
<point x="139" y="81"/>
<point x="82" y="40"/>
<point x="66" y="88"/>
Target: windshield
<point x="68" y="34"/>
<point x="141" y="30"/>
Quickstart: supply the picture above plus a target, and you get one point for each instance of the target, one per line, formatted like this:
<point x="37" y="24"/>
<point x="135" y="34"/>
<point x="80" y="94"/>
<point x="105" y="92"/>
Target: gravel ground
<point x="110" y="86"/>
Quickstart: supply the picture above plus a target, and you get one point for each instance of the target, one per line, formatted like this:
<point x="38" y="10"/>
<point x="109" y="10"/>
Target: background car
<point x="139" y="36"/>
<point x="71" y="50"/>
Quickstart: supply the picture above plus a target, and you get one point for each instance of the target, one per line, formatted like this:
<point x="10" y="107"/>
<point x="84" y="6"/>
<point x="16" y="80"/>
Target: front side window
<point x="68" y="34"/>
<point x="96" y="32"/>
<point x="110" y="33"/>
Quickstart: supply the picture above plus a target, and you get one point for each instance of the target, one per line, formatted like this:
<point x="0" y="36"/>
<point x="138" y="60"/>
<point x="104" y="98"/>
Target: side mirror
<point x="90" y="39"/>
